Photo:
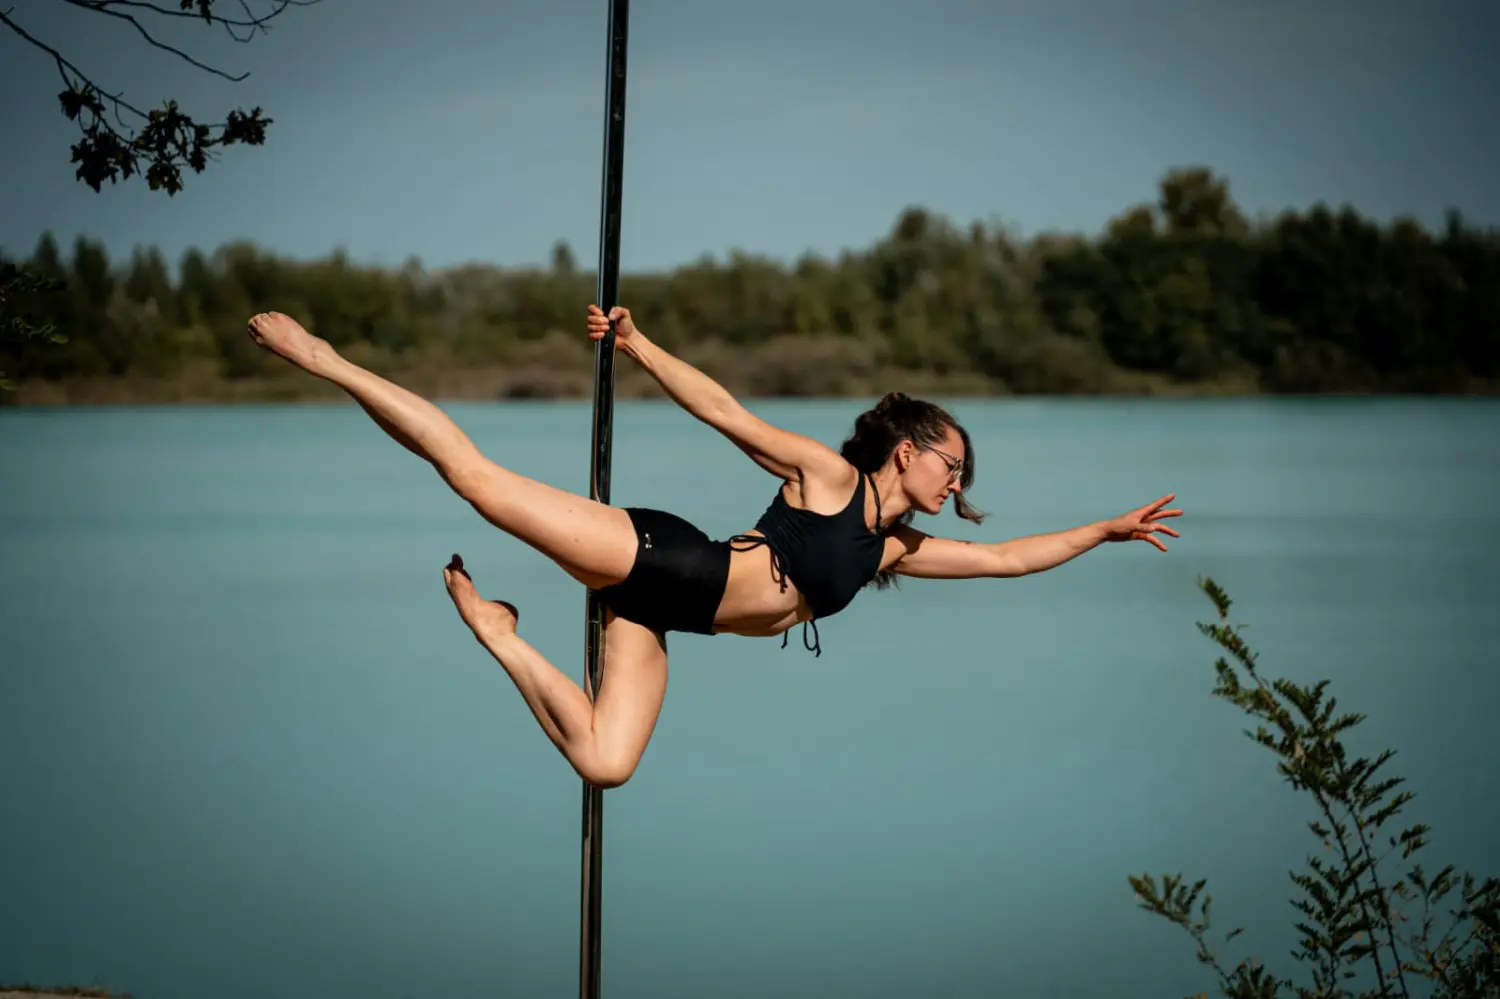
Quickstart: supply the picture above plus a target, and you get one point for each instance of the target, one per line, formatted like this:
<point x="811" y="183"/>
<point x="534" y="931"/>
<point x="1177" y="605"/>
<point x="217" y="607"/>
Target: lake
<point x="247" y="748"/>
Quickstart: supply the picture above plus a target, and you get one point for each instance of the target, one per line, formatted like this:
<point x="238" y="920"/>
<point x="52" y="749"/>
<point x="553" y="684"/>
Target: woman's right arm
<point x="783" y="453"/>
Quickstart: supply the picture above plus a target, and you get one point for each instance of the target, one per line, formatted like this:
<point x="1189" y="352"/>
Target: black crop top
<point x="829" y="556"/>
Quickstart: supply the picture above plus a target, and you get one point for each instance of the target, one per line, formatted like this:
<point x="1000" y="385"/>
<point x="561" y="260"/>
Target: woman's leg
<point x="593" y="542"/>
<point x="604" y="738"/>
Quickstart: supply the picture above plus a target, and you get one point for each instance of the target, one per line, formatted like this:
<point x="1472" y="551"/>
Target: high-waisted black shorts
<point x="678" y="577"/>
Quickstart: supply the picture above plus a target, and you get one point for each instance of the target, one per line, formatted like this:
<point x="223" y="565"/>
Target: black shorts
<point x="678" y="577"/>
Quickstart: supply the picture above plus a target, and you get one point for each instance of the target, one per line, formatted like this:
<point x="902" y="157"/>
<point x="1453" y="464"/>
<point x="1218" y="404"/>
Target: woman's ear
<point x="903" y="455"/>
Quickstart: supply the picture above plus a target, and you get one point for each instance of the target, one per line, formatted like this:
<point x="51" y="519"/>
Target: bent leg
<point x="593" y="542"/>
<point x="604" y="738"/>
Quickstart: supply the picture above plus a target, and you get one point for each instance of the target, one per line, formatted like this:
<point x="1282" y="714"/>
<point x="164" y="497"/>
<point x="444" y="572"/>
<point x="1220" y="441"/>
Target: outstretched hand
<point x="599" y="323"/>
<point x="1143" y="524"/>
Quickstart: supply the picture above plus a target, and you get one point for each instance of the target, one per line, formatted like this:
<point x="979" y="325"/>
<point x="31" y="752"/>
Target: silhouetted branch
<point x="204" y="12"/>
<point x="168" y="139"/>
<point x="101" y="8"/>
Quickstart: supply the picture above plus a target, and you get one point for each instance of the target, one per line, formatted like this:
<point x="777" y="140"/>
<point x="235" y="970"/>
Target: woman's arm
<point x="781" y="452"/>
<point x="926" y="557"/>
<point x="923" y="556"/>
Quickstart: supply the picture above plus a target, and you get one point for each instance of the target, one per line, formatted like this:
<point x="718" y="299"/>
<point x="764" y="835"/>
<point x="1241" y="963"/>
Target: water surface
<point x="247" y="749"/>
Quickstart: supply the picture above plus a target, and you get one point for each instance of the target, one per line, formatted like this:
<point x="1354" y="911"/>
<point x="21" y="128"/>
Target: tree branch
<point x="205" y="13"/>
<point x="245" y="6"/>
<point x="64" y="67"/>
<point x="169" y="139"/>
<point x="100" y="8"/>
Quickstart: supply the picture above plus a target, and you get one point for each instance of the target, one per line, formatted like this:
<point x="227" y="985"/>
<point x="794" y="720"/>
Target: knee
<point x="606" y="770"/>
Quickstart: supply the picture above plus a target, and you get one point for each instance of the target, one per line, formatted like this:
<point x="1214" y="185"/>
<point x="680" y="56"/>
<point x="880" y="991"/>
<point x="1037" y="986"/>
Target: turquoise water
<point x="247" y="749"/>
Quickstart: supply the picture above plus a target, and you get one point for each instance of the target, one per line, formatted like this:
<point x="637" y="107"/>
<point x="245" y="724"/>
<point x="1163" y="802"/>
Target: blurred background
<point x="1244" y="253"/>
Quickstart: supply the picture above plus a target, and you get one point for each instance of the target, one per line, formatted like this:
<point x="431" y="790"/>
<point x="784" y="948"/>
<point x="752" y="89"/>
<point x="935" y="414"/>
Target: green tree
<point x="20" y="322"/>
<point x="1181" y="293"/>
<point x="1362" y="932"/>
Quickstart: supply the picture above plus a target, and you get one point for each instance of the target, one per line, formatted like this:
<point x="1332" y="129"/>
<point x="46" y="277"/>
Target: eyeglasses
<point x="955" y="465"/>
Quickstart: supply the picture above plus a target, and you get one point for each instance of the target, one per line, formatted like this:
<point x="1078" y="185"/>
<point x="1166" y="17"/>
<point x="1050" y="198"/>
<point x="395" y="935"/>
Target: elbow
<point x="1002" y="564"/>
<point x="718" y="411"/>
<point x="1006" y="565"/>
<point x="1004" y="568"/>
<point x="712" y="404"/>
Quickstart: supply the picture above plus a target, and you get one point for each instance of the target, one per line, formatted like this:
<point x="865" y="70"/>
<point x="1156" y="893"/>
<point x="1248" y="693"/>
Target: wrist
<point x="635" y="345"/>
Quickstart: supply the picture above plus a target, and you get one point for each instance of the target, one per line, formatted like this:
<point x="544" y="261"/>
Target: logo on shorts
<point x="648" y="540"/>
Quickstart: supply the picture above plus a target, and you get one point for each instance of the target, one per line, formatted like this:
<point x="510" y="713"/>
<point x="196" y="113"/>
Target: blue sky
<point x="462" y="130"/>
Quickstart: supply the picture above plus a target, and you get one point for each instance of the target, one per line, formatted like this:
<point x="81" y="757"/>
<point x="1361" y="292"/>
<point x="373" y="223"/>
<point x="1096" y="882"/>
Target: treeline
<point x="1183" y="295"/>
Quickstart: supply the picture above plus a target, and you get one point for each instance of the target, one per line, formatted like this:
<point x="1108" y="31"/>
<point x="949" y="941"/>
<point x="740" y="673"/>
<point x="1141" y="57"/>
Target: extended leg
<point x="603" y="739"/>
<point x="594" y="542"/>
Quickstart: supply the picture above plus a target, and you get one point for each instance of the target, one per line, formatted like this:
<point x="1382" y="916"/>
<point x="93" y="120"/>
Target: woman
<point x="839" y="521"/>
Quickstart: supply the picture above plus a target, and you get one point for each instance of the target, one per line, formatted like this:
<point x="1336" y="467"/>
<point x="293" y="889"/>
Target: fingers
<point x="1152" y="512"/>
<point x="1146" y="531"/>
<point x="599" y="323"/>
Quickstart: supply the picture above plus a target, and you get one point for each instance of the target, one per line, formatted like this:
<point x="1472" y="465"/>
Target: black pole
<point x="604" y="418"/>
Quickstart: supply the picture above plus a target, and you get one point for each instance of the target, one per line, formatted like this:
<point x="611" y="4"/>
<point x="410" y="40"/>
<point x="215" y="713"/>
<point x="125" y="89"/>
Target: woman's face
<point x="932" y="472"/>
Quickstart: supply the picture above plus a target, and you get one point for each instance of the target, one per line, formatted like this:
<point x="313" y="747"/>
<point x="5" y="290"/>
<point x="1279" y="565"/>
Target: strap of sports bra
<point x="746" y="542"/>
<point x="876" y="489"/>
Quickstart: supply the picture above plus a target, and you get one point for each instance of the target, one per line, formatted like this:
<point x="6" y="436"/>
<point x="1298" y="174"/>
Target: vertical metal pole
<point x="599" y="471"/>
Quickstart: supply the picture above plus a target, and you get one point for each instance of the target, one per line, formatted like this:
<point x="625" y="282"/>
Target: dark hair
<point x="898" y="417"/>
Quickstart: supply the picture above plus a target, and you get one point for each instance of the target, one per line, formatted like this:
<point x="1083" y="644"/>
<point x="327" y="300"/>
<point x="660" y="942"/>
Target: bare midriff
<point x="754" y="603"/>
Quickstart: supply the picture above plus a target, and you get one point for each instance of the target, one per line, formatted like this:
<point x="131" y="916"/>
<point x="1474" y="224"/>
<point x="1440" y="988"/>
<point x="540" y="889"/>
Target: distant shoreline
<point x="502" y="385"/>
<point x="61" y="992"/>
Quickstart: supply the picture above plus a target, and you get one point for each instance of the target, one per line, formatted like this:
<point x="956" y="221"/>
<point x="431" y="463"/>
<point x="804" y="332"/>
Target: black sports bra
<point x="829" y="556"/>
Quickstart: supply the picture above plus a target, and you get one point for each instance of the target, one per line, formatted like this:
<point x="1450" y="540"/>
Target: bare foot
<point x="285" y="337"/>
<point x="486" y="618"/>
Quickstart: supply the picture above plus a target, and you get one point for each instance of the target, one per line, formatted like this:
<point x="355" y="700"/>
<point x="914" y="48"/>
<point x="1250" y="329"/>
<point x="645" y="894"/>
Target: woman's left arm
<point x="924" y="556"/>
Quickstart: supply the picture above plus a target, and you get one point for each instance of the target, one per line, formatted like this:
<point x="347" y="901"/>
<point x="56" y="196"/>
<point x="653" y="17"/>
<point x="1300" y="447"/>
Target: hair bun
<point x="890" y="401"/>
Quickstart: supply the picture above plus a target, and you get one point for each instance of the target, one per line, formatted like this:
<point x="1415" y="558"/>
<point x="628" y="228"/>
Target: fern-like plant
<point x="1358" y="920"/>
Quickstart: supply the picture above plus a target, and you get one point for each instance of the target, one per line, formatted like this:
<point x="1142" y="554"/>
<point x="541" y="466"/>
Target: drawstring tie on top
<point x="749" y="542"/>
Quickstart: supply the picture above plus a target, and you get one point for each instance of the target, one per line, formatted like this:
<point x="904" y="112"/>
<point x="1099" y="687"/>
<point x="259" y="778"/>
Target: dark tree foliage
<point x="1186" y="292"/>
<point x="20" y="325"/>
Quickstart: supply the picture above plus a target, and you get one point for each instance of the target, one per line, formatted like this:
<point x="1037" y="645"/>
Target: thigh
<point x="632" y="690"/>
<point x="592" y="541"/>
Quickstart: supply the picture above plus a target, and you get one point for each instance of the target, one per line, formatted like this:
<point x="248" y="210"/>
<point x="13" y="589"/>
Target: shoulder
<point x="825" y="485"/>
